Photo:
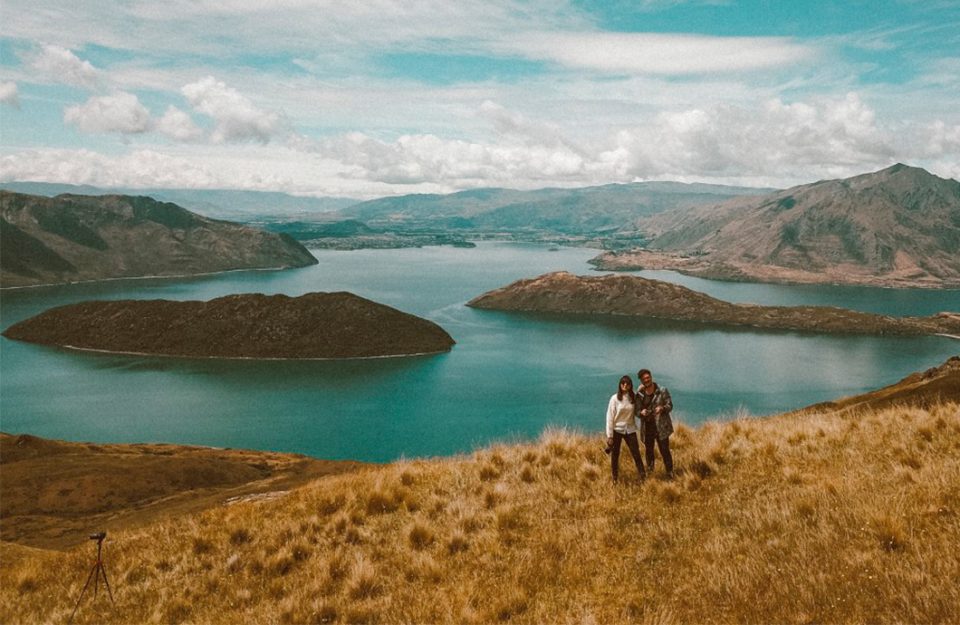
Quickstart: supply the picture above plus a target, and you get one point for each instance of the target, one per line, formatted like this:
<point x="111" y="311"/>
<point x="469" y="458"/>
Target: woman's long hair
<point x="620" y="391"/>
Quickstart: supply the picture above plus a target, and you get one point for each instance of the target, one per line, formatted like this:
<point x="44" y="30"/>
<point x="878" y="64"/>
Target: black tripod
<point x="95" y="573"/>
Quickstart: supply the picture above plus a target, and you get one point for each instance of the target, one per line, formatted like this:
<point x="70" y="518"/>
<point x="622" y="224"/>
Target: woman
<point x="622" y="425"/>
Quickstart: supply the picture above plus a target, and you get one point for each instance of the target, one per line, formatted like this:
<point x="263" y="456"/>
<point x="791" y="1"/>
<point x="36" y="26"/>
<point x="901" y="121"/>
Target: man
<point x="654" y="406"/>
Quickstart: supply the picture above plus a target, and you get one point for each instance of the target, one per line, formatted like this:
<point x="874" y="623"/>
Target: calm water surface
<point x="508" y="377"/>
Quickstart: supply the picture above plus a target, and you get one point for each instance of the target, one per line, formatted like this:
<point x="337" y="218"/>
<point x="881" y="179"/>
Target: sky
<point x="375" y="98"/>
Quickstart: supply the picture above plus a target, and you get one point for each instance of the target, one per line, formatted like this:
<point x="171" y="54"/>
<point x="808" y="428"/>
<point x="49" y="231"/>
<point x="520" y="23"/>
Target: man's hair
<point x="643" y="372"/>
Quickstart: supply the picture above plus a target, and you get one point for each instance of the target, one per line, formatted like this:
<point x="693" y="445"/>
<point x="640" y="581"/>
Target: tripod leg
<point x="96" y="579"/>
<point x="103" y="569"/>
<point x="89" y="577"/>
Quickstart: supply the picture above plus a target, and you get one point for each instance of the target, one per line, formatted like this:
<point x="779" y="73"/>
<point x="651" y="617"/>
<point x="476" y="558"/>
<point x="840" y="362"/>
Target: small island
<point x="255" y="326"/>
<point x="562" y="292"/>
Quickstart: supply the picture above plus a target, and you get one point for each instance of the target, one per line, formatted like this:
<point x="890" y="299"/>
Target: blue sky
<point x="382" y="98"/>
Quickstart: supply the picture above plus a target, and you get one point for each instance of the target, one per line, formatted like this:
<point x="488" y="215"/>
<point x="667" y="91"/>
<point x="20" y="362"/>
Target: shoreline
<point x="152" y="277"/>
<point x="109" y="352"/>
<point x="881" y="283"/>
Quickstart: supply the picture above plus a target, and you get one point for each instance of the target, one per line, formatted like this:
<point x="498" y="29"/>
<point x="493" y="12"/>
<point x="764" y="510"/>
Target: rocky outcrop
<point x="74" y="238"/>
<point x="315" y="325"/>
<point x="563" y="292"/>
<point x="895" y="227"/>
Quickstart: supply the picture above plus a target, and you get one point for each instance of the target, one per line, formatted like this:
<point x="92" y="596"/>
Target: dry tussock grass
<point x="836" y="517"/>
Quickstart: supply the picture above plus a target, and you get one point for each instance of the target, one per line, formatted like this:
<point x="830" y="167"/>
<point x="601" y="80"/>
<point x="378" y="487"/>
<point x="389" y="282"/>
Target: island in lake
<point x="311" y="326"/>
<point x="75" y="238"/>
<point x="563" y="292"/>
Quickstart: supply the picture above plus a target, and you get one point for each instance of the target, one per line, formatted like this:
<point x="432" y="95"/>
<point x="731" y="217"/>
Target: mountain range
<point x="896" y="227"/>
<point x="586" y="211"/>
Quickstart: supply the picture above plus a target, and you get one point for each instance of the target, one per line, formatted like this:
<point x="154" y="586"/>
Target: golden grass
<point x="841" y="517"/>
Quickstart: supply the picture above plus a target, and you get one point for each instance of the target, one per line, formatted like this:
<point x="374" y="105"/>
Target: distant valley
<point x="601" y="216"/>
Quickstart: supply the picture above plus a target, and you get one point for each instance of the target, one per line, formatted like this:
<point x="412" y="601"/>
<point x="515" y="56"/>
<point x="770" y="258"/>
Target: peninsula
<point x="562" y="292"/>
<point x="79" y="238"/>
<point x="311" y="326"/>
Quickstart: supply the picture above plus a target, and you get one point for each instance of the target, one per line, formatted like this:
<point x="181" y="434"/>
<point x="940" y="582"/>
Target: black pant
<point x="649" y="436"/>
<point x="633" y="445"/>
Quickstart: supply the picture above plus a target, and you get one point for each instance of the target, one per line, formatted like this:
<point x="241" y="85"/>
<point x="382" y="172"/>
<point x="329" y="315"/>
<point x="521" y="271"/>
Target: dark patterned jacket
<point x="663" y="423"/>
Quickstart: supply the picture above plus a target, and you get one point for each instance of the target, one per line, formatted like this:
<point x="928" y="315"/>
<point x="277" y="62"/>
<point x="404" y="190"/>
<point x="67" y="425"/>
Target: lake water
<point x="509" y="376"/>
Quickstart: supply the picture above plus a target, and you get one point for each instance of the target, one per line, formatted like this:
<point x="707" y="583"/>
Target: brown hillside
<point x="315" y="325"/>
<point x="829" y="516"/>
<point x="72" y="238"/>
<point x="897" y="227"/>
<point x="55" y="493"/>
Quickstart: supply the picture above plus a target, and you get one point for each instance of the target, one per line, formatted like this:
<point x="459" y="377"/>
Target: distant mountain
<point x="898" y="226"/>
<point x="589" y="210"/>
<point x="217" y="203"/>
<point x="73" y="238"/>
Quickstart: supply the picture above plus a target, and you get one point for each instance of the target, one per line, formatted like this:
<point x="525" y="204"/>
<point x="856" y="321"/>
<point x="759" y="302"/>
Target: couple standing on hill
<point x="652" y="404"/>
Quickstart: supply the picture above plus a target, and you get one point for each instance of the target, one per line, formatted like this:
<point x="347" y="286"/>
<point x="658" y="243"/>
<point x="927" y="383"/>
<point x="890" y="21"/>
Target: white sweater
<point x="620" y="416"/>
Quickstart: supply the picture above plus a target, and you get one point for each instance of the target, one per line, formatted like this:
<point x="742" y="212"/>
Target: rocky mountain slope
<point x="315" y="325"/>
<point x="73" y="238"/>
<point x="895" y="227"/>
<point x="562" y="292"/>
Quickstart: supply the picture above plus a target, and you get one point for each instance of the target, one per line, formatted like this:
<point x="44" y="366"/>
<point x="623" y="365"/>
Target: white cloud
<point x="9" y="94"/>
<point x="512" y="124"/>
<point x="62" y="65"/>
<point x="119" y="112"/>
<point x="775" y="139"/>
<point x="454" y="163"/>
<point x="654" y="53"/>
<point x="771" y="143"/>
<point x="140" y="168"/>
<point x="178" y="125"/>
<point x="235" y="117"/>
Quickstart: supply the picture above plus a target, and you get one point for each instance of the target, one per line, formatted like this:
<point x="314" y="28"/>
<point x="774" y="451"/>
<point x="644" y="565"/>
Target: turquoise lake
<point x="508" y="378"/>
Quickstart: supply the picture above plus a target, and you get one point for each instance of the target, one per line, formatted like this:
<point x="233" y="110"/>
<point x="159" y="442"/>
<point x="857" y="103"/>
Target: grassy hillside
<point x="845" y="516"/>
<point x="53" y="492"/>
